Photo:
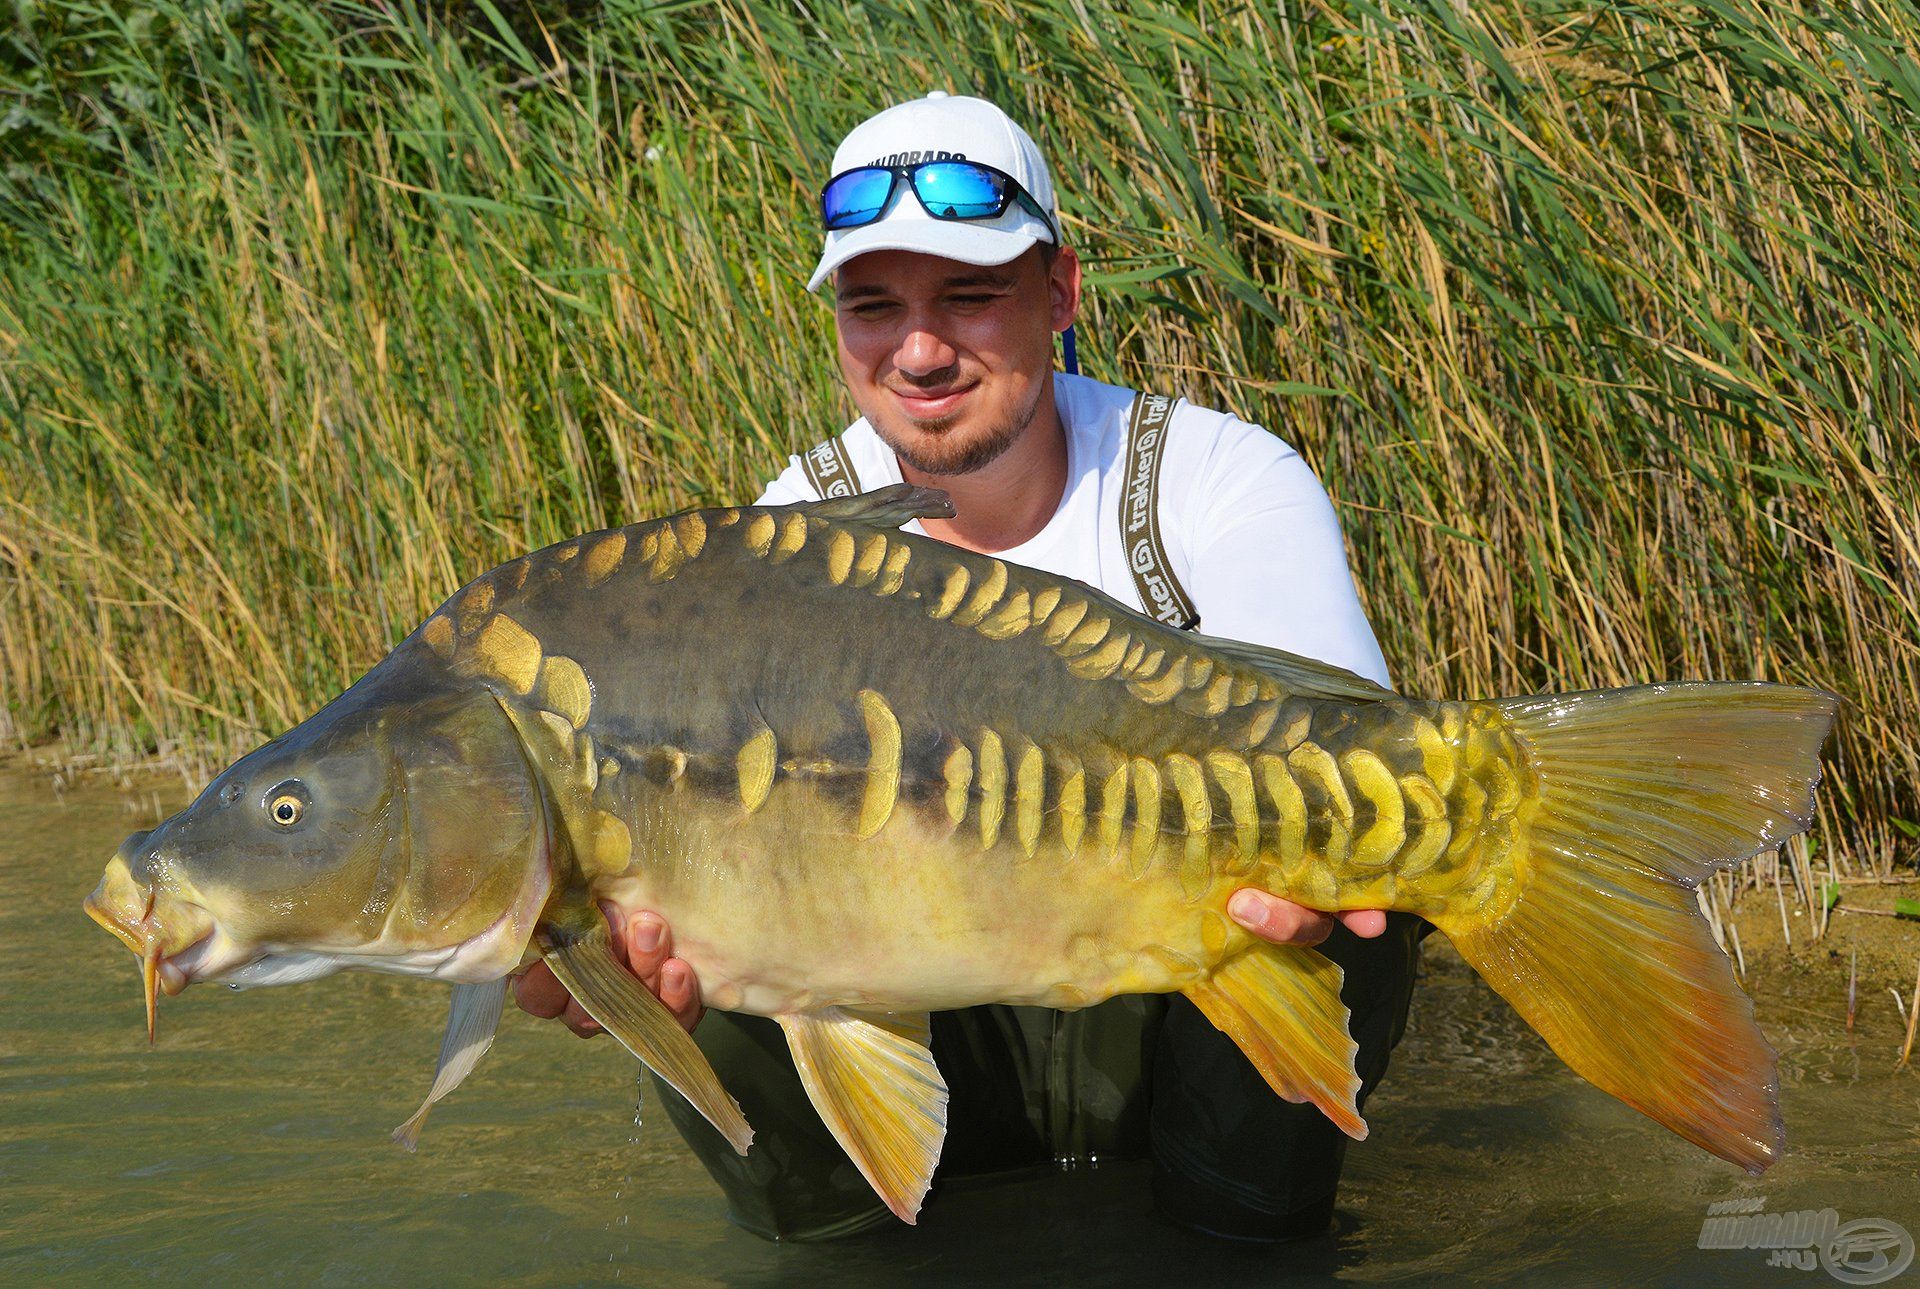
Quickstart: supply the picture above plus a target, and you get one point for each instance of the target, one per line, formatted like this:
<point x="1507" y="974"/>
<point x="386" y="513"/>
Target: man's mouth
<point x="932" y="405"/>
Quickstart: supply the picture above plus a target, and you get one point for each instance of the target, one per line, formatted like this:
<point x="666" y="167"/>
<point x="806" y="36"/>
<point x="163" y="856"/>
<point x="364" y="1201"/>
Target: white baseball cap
<point x="935" y="128"/>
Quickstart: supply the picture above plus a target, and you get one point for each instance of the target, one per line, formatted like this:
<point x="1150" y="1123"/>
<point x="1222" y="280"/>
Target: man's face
<point x="948" y="361"/>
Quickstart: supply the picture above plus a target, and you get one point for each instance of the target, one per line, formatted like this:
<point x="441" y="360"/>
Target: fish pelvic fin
<point x="471" y="1022"/>
<point x="1281" y="1005"/>
<point x="1642" y="792"/>
<point x="872" y="1078"/>
<point x="628" y="1011"/>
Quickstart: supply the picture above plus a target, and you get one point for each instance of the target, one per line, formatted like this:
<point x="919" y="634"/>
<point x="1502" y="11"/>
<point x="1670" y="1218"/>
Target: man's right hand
<point x="644" y="946"/>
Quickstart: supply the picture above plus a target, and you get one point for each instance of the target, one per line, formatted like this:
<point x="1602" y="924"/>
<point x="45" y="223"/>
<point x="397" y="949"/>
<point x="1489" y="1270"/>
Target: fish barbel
<point x="864" y="775"/>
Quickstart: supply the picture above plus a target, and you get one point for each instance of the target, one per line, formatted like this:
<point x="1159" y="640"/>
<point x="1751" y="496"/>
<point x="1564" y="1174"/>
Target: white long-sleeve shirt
<point x="1247" y="527"/>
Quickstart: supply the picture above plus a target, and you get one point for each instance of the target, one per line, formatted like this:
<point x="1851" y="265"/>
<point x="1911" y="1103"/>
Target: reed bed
<point x="1598" y="322"/>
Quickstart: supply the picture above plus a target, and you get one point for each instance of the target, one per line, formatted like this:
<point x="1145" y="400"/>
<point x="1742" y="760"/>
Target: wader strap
<point x="1165" y="599"/>
<point x="830" y="470"/>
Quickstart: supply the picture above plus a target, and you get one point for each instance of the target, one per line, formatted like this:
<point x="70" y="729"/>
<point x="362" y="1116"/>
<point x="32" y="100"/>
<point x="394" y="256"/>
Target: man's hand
<point x="644" y="946"/>
<point x="1284" y="922"/>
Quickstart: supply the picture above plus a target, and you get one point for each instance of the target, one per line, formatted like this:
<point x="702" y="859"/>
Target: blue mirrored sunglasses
<point x="956" y="190"/>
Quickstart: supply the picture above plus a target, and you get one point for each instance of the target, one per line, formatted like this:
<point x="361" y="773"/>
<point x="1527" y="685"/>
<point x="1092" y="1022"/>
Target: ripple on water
<point x="251" y="1142"/>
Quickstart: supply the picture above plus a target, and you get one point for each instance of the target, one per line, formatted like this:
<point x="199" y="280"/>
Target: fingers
<point x="681" y="993"/>
<point x="649" y="946"/>
<point x="540" y="993"/>
<point x="1284" y="922"/>
<point x="576" y="1019"/>
<point x="1278" y="920"/>
<point x="1365" y="923"/>
<point x="645" y="946"/>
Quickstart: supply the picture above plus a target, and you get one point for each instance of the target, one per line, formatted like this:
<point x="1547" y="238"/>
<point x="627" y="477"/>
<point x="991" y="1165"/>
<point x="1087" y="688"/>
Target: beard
<point x="938" y="452"/>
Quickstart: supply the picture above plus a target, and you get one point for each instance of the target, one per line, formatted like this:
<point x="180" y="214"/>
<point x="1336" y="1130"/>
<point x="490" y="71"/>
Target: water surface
<point x="252" y="1141"/>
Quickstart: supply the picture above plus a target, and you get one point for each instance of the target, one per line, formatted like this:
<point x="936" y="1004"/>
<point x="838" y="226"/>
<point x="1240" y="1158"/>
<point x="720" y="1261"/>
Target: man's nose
<point x="922" y="353"/>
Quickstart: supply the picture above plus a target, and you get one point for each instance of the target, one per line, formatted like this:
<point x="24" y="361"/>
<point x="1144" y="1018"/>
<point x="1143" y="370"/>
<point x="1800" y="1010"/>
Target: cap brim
<point x="970" y="243"/>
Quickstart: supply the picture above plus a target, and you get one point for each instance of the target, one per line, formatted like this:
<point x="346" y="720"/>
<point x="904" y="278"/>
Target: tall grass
<point x="1599" y="323"/>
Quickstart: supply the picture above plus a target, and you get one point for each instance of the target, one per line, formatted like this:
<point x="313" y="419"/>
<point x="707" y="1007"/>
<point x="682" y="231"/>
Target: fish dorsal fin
<point x="625" y="1009"/>
<point x="873" y="1080"/>
<point x="1305" y="677"/>
<point x="471" y="1021"/>
<point x="1281" y="1005"/>
<point x="887" y="507"/>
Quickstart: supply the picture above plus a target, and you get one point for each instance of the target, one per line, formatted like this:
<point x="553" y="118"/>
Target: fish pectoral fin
<point x="628" y="1011"/>
<point x="873" y="1080"/>
<point x="471" y="1021"/>
<point x="1281" y="1005"/>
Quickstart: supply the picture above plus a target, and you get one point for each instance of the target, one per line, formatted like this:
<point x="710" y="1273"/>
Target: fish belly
<point x="782" y="914"/>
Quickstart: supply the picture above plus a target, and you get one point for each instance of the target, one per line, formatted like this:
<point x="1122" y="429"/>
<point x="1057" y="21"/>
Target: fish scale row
<point x="1321" y="819"/>
<point x="1311" y="808"/>
<point x="1313" y="814"/>
<point x="1001" y="602"/>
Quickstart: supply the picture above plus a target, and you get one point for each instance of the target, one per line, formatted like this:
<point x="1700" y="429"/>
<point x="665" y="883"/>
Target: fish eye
<point x="287" y="804"/>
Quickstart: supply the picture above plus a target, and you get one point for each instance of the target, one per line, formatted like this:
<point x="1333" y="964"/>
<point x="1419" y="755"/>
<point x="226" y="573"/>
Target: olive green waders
<point x="1133" y="1077"/>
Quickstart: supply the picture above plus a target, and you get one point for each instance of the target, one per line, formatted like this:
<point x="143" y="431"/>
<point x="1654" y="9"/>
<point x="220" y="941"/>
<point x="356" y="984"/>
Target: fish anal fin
<point x="873" y="1080"/>
<point x="1281" y="1005"/>
<point x="471" y="1021"/>
<point x="628" y="1011"/>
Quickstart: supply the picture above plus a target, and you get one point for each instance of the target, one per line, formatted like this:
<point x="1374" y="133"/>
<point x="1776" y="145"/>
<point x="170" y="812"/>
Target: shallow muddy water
<point x="251" y="1142"/>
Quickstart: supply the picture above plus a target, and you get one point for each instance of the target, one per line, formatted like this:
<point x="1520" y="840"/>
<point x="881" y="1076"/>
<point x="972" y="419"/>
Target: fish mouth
<point x="170" y="935"/>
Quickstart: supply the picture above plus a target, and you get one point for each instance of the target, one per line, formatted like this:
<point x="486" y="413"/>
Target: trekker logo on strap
<point x="1165" y="599"/>
<point x="830" y="470"/>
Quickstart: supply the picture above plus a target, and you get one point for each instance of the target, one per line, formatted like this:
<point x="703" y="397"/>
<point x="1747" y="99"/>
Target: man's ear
<point x="1063" y="288"/>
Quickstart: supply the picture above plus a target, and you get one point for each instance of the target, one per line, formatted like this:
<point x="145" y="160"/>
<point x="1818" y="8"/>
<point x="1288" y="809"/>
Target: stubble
<point x="939" y="453"/>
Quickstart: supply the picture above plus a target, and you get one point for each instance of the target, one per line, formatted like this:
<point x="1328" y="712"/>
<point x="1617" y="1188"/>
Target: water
<point x="251" y="1142"/>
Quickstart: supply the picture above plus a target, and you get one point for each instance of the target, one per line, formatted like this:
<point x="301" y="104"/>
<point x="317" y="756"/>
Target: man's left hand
<point x="1284" y="922"/>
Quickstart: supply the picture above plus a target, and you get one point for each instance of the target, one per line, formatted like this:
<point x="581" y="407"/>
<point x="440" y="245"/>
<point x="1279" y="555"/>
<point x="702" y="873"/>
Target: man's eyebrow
<point x="999" y="280"/>
<point x="959" y="281"/>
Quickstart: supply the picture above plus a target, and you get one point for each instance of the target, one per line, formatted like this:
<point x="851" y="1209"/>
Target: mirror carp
<point x="865" y="775"/>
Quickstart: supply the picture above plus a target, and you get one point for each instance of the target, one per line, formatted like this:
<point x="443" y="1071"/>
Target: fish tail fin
<point x="1641" y="793"/>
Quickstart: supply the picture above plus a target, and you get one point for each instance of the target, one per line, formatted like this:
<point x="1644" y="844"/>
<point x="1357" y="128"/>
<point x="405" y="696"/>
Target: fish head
<point x="396" y="830"/>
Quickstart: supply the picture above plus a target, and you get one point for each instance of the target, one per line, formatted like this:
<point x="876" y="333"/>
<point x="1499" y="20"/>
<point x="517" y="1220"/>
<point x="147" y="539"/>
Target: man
<point x="950" y="283"/>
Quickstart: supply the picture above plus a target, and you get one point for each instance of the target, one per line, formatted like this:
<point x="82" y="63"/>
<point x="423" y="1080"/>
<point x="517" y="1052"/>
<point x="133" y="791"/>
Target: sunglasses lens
<point x="856" y="197"/>
<point x="958" y="190"/>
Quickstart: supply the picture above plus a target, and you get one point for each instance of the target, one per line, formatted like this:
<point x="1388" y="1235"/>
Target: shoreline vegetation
<point x="1598" y="323"/>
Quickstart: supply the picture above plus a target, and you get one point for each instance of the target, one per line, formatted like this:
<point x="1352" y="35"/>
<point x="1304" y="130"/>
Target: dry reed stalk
<point x="1707" y="896"/>
<point x="1913" y="1018"/>
<point x="1853" y="981"/>
<point x="1786" y="934"/>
